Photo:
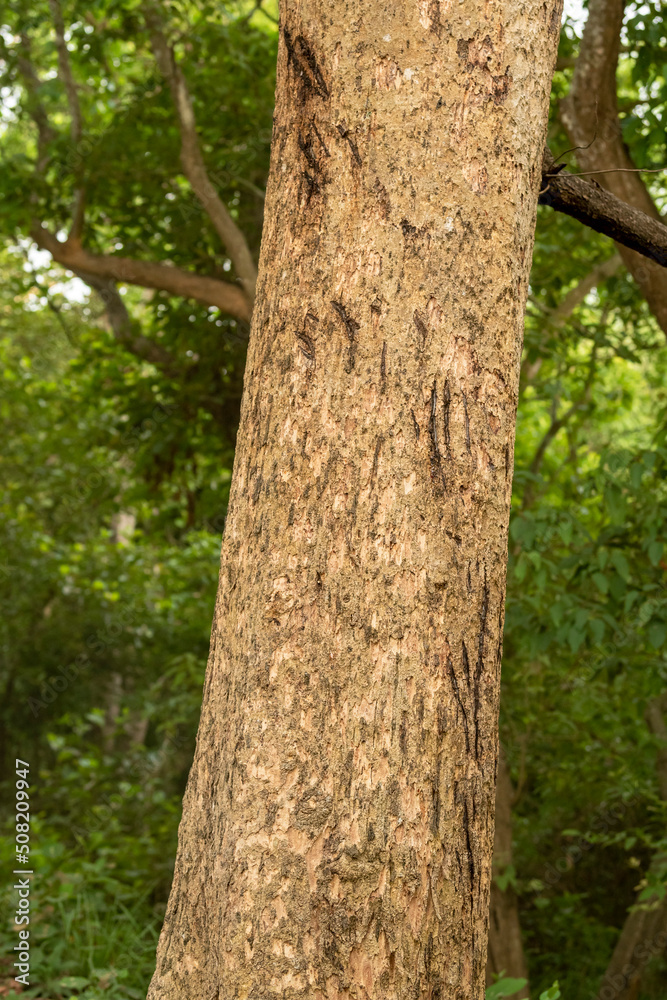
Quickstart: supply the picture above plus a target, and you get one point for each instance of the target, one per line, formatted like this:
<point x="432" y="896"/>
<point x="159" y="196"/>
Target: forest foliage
<point x="114" y="480"/>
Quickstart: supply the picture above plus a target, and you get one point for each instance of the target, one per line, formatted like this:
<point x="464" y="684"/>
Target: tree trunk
<point x="505" y="952"/>
<point x="337" y="831"/>
<point x="644" y="933"/>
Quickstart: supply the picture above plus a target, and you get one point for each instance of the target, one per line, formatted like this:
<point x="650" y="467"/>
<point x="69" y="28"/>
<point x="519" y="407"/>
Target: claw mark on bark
<point x="301" y="55"/>
<point x="420" y="323"/>
<point x="459" y="701"/>
<point x="471" y="859"/>
<point x="415" y="424"/>
<point x="446" y="401"/>
<point x="436" y="461"/>
<point x="466" y="662"/>
<point x="306" y="344"/>
<point x="351" y="327"/>
<point x="467" y="422"/>
<point x="320" y="139"/>
<point x="314" y="176"/>
<point x="345" y="134"/>
<point x="479" y="669"/>
<point x="383" y="362"/>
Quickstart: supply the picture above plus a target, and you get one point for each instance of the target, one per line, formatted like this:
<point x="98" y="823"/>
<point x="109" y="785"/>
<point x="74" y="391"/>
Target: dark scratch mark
<point x="351" y="328"/>
<point x="420" y="323"/>
<point x="471" y="859"/>
<point x="466" y="662"/>
<point x="467" y="422"/>
<point x="446" y="404"/>
<point x="436" y="461"/>
<point x="457" y="695"/>
<point x="376" y="456"/>
<point x="307" y="345"/>
<point x="434" y="17"/>
<point x="345" y="134"/>
<point x="302" y="56"/>
<point x="383" y="361"/>
<point x="507" y="461"/>
<point x="312" y="185"/>
<point x="415" y="424"/>
<point x="480" y="654"/>
<point x="321" y="140"/>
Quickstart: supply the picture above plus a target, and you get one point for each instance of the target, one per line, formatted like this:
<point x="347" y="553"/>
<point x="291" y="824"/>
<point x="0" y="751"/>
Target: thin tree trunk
<point x="644" y="933"/>
<point x="505" y="945"/>
<point x="337" y="832"/>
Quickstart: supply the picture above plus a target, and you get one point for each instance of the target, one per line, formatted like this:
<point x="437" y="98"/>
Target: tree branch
<point x="602" y="211"/>
<point x="148" y="274"/>
<point x="193" y="161"/>
<point x="558" y="317"/>
<point x="590" y="116"/>
<point x="121" y="324"/>
<point x="76" y="125"/>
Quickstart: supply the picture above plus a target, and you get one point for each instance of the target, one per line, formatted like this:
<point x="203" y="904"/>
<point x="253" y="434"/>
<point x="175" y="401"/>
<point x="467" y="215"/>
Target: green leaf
<point x="655" y="552"/>
<point x="657" y="632"/>
<point x="505" y="987"/>
<point x="601" y="582"/>
<point x="620" y="564"/>
<point x="73" y="982"/>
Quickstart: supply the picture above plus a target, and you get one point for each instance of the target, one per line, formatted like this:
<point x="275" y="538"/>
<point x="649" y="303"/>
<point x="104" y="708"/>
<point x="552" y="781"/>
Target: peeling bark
<point x="337" y="831"/>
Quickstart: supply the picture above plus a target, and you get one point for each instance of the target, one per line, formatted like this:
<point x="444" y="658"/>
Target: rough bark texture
<point x="505" y="952"/>
<point x="337" y="832"/>
<point x="590" y="116"/>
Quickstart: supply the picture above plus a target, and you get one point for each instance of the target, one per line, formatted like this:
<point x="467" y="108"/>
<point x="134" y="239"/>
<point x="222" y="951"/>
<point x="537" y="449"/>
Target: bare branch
<point x="148" y="274"/>
<point x="45" y="134"/>
<point x="193" y="161"/>
<point x="76" y="126"/>
<point x="602" y="211"/>
<point x="121" y="324"/>
<point x="558" y="317"/>
<point x="590" y="116"/>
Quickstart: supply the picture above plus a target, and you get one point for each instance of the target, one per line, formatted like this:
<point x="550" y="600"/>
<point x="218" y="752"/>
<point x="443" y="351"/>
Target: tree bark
<point x="505" y="952"/>
<point x="337" y="831"/>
